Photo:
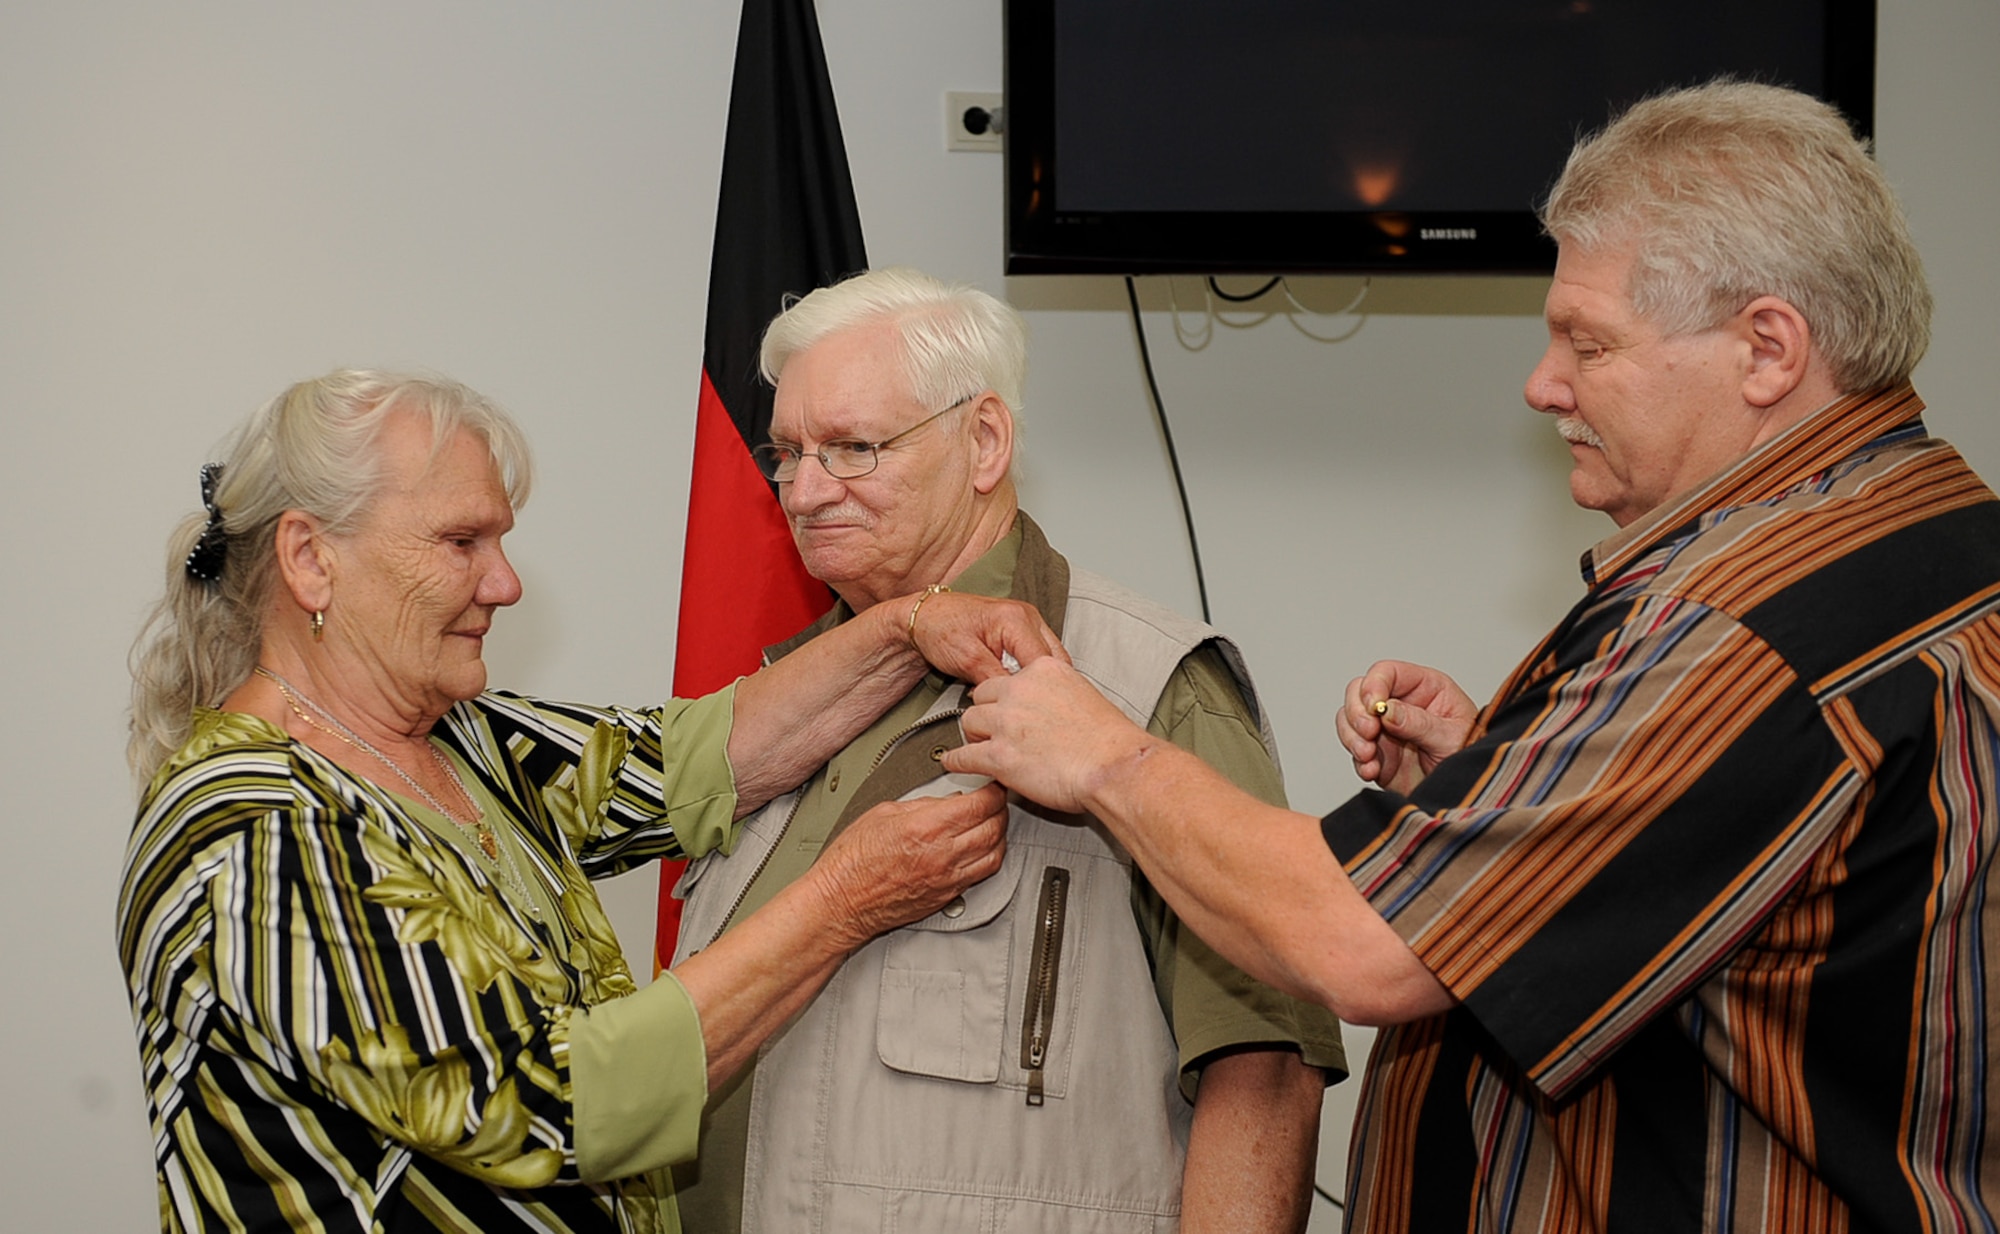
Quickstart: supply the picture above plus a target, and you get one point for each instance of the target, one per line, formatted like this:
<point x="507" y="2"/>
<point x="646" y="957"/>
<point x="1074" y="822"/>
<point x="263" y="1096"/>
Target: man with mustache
<point x="1052" y="1050"/>
<point x="1688" y="928"/>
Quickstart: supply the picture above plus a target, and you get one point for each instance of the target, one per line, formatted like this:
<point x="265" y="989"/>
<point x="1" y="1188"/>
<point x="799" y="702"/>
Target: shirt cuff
<point x="700" y="791"/>
<point x="638" y="1081"/>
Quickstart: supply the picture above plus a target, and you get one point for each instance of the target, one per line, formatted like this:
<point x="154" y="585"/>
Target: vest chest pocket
<point x="957" y="986"/>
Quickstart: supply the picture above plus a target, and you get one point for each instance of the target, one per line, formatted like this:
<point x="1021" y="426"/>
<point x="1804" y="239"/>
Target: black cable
<point x="1244" y="299"/>
<point x="1173" y="457"/>
<point x="1326" y="1195"/>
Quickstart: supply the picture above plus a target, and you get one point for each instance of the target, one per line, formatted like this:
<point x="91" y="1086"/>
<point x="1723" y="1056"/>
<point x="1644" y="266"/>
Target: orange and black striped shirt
<point x="1713" y="881"/>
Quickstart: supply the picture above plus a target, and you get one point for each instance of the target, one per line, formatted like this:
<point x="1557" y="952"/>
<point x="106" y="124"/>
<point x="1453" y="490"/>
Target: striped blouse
<point x="347" y="1022"/>
<point x="1712" y="880"/>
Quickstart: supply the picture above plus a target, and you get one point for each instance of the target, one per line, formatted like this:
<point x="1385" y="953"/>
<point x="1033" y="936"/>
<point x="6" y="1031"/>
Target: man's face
<point x="1647" y="416"/>
<point x="900" y="527"/>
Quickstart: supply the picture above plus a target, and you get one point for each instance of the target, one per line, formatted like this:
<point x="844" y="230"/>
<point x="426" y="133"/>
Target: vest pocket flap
<point x="942" y="1024"/>
<point x="943" y="1003"/>
<point x="979" y="904"/>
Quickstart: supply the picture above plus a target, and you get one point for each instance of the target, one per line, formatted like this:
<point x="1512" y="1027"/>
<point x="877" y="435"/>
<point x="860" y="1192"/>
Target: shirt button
<point x="833" y="782"/>
<point x="956" y="908"/>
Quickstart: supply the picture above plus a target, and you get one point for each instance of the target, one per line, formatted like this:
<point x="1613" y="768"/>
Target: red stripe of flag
<point x="785" y="223"/>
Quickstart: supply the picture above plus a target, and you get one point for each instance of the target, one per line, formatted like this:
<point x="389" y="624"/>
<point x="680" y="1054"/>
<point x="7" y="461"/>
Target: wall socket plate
<point x="962" y="110"/>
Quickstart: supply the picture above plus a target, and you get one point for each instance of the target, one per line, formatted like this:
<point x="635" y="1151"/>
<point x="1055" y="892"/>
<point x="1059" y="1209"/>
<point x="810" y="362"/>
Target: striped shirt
<point x="1711" y="880"/>
<point x="345" y="1019"/>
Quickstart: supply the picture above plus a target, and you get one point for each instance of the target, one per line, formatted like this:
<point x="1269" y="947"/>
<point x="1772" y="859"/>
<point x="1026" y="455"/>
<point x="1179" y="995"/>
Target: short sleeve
<point x="1667" y="771"/>
<point x="1213" y="1005"/>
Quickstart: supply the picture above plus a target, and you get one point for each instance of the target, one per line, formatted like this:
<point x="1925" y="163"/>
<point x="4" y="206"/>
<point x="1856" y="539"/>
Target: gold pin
<point x="1381" y="706"/>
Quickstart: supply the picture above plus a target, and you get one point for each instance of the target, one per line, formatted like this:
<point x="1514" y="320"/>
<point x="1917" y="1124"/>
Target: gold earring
<point x="318" y="623"/>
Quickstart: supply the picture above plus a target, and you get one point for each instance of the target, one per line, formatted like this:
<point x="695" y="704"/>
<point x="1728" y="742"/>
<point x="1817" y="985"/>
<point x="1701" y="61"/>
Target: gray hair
<point x="956" y="339"/>
<point x="1733" y="190"/>
<point x="313" y="448"/>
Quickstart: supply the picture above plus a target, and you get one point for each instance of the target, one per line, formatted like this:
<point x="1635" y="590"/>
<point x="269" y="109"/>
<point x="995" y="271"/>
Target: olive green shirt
<point x="1209" y="1003"/>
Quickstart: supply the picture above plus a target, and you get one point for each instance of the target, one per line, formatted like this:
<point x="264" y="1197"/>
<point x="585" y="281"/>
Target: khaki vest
<point x="905" y="1097"/>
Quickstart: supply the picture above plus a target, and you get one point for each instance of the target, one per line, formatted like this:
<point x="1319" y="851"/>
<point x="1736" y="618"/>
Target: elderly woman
<point x="374" y="988"/>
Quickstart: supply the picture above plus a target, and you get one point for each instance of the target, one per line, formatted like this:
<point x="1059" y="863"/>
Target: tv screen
<point x="1293" y="136"/>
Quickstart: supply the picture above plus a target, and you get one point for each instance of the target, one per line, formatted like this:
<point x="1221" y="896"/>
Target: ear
<point x="993" y="441"/>
<point x="1780" y="343"/>
<point x="305" y="560"/>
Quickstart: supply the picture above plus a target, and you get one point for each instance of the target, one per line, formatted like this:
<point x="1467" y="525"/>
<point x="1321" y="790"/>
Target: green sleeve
<point x="625" y="786"/>
<point x="1213" y="1005"/>
<point x="700" y="793"/>
<point x="638" y="1081"/>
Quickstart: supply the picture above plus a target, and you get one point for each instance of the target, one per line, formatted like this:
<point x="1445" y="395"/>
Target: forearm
<point x="1254" y="1145"/>
<point x="897" y="863"/>
<point x="760" y="973"/>
<point x="793" y="715"/>
<point x="1260" y="885"/>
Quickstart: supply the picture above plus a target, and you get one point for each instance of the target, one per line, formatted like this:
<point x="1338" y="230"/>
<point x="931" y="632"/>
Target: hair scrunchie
<point x="205" y="560"/>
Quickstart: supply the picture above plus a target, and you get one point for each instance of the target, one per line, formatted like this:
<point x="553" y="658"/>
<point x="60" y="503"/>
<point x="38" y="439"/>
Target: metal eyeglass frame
<point x="857" y="457"/>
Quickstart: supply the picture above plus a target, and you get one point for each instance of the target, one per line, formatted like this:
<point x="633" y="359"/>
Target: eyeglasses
<point x="845" y="458"/>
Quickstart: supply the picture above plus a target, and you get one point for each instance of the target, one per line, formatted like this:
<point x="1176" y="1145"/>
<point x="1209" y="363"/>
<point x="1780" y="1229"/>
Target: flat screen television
<point x="1300" y="136"/>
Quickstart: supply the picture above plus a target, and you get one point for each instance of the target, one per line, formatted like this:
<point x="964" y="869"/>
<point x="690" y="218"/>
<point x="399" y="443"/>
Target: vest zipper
<point x="769" y="852"/>
<point x="949" y="713"/>
<point x="1039" y="1017"/>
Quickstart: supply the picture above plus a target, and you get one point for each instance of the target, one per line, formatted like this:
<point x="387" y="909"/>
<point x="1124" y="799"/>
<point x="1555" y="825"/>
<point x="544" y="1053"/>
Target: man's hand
<point x="1046" y="733"/>
<point x="965" y="636"/>
<point x="903" y="860"/>
<point x="793" y="715"/>
<point x="1400" y="720"/>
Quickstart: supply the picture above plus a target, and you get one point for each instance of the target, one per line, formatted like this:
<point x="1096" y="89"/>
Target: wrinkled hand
<point x="1045" y="732"/>
<point x="903" y="860"/>
<point x="963" y="636"/>
<point x="1427" y="721"/>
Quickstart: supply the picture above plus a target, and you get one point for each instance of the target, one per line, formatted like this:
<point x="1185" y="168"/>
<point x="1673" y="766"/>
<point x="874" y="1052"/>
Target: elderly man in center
<point x="1054" y="1050"/>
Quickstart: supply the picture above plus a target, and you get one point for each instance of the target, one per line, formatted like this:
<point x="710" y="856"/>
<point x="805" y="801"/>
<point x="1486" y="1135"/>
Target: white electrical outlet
<point x="972" y="120"/>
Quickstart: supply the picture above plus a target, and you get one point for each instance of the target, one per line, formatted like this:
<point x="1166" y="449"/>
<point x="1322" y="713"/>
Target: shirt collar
<point x="1829" y="436"/>
<point x="992" y="574"/>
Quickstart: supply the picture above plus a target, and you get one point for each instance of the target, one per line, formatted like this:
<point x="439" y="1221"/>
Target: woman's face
<point x="415" y="586"/>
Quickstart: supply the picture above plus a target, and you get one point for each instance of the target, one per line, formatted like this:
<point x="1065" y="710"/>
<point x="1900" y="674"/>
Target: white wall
<point x="202" y="202"/>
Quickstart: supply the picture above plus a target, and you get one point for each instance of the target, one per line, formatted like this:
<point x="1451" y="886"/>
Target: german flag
<point x="785" y="223"/>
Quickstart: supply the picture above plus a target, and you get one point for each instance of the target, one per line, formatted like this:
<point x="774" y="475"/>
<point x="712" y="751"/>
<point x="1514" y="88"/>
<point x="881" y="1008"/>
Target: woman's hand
<point x="903" y="860"/>
<point x="794" y="715"/>
<point x="898" y="863"/>
<point x="1400" y="720"/>
<point x="966" y="636"/>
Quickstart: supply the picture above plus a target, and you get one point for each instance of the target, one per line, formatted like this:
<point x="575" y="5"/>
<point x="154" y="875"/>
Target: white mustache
<point x="1577" y="433"/>
<point x="841" y="515"/>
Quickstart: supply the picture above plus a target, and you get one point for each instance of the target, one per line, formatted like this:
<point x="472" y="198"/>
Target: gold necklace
<point x="499" y="859"/>
<point x="333" y="727"/>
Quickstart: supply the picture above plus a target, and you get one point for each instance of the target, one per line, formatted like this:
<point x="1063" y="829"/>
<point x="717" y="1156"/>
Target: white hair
<point x="1733" y="190"/>
<point x="313" y="448"/>
<point x="956" y="340"/>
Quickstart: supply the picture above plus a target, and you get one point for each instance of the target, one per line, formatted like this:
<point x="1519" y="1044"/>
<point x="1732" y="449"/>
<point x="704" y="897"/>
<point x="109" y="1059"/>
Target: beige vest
<point x="907" y="1096"/>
